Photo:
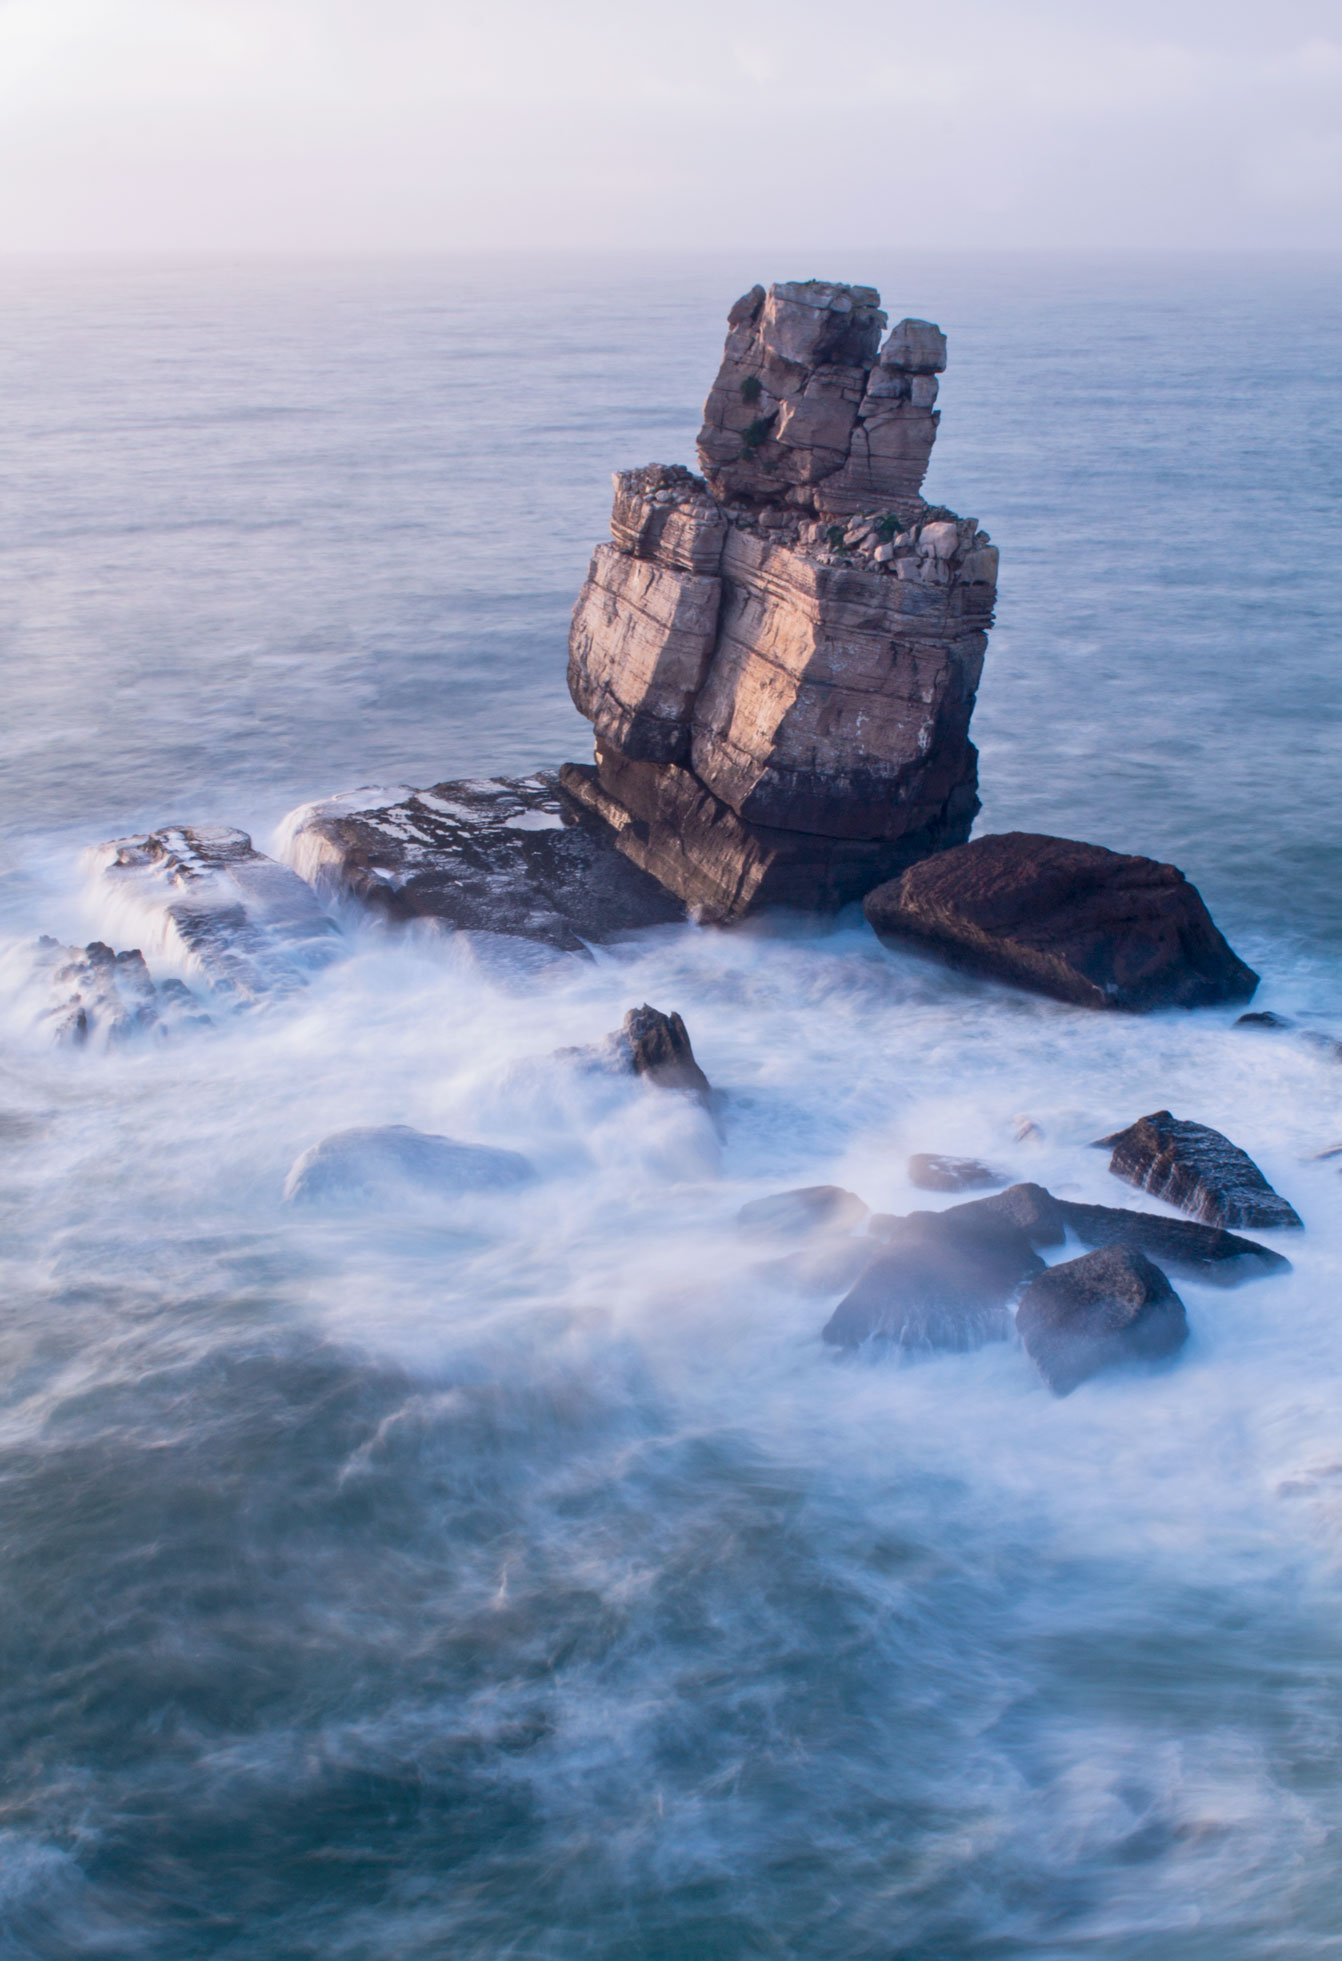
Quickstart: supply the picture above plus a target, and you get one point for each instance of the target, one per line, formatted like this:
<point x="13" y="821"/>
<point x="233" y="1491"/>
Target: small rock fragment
<point x="939" y="1174"/>
<point x="1097" y="1312"/>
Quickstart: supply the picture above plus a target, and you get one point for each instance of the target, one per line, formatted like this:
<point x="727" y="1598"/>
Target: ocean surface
<point x="527" y="1580"/>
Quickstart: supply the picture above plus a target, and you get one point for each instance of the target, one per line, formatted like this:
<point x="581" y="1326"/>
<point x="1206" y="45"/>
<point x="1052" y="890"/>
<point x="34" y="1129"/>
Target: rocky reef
<point x="780" y="657"/>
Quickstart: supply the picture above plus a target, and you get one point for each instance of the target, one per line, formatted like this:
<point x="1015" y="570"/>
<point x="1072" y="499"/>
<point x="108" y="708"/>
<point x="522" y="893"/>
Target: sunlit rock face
<point x="780" y="658"/>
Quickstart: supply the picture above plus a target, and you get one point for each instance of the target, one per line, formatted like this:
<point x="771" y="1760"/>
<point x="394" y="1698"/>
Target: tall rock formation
<point x="780" y="657"/>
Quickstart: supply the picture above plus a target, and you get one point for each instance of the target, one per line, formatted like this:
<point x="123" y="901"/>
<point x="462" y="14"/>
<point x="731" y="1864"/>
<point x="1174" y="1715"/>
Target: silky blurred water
<point x="527" y="1579"/>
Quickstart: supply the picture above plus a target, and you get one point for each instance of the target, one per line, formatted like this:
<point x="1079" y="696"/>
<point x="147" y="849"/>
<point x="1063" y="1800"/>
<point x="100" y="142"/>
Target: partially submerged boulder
<point x="508" y="855"/>
<point x="1072" y="920"/>
<point x="203" y="896"/>
<point x="943" y="1280"/>
<point x="1197" y="1169"/>
<point x="375" y="1165"/>
<point x="1097" y="1312"/>
<point x="933" y="1173"/>
<point x="807" y="1209"/>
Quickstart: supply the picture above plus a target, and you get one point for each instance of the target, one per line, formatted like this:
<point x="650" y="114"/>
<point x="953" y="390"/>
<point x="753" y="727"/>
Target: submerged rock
<point x="943" y="1280"/>
<point x="1097" y="1312"/>
<point x="931" y="1173"/>
<point x="203" y="895"/>
<point x="1071" y="920"/>
<point x="376" y="1164"/>
<point x="99" y="994"/>
<point x="508" y="855"/>
<point x="808" y="1209"/>
<point x="1197" y="1169"/>
<point x="780" y="658"/>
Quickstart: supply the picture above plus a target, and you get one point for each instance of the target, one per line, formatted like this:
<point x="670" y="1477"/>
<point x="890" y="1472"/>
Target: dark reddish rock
<point x="1071" y="920"/>
<point x="1097" y="1312"/>
<point x="809" y="1209"/>
<point x="942" y="1280"/>
<point x="1028" y="1208"/>
<point x="931" y="1173"/>
<point x="508" y="855"/>
<point x="1197" y="1169"/>
<point x="658" y="1047"/>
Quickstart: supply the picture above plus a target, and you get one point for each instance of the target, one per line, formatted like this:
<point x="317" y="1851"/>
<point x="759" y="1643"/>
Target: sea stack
<point x="780" y="657"/>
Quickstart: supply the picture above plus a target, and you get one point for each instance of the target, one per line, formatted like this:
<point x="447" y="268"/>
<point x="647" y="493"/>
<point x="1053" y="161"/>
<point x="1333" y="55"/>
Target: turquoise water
<point x="534" y="1583"/>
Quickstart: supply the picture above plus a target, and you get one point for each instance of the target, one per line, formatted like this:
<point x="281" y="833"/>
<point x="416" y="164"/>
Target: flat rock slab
<point x="373" y="1165"/>
<point x="1097" y="1312"/>
<point x="1199" y="1170"/>
<point x="502" y="855"/>
<point x="1066" y="919"/>
<point x="204" y="896"/>
<point x="941" y="1281"/>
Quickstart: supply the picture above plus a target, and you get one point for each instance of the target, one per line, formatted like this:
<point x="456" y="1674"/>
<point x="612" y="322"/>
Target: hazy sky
<point x="153" y="125"/>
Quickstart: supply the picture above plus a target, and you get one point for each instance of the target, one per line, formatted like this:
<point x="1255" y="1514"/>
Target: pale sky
<point x="154" y="126"/>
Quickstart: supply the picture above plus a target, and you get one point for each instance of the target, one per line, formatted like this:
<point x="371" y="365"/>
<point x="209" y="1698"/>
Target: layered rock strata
<point x="780" y="658"/>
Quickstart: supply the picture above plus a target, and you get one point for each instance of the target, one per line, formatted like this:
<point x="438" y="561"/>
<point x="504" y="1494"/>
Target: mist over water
<point x="523" y="1577"/>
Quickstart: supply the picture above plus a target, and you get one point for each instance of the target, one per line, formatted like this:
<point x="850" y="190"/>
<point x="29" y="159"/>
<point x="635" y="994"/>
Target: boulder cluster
<point x="780" y="657"/>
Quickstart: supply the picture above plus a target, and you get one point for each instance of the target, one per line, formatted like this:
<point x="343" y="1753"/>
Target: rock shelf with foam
<point x="780" y="658"/>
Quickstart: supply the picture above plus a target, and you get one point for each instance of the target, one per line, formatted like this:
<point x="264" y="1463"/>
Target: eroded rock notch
<point x="780" y="657"/>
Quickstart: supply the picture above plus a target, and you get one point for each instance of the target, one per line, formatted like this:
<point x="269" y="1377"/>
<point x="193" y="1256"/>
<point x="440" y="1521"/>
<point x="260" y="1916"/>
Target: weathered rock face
<point x="97" y="994"/>
<point x="1199" y="1170"/>
<point x="203" y="895"/>
<point x="1097" y="1312"/>
<point x="1067" y="919"/>
<point x="780" y="659"/>
<point x="512" y="856"/>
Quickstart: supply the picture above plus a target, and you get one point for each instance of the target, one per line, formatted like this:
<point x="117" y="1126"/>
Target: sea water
<point x="528" y="1579"/>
